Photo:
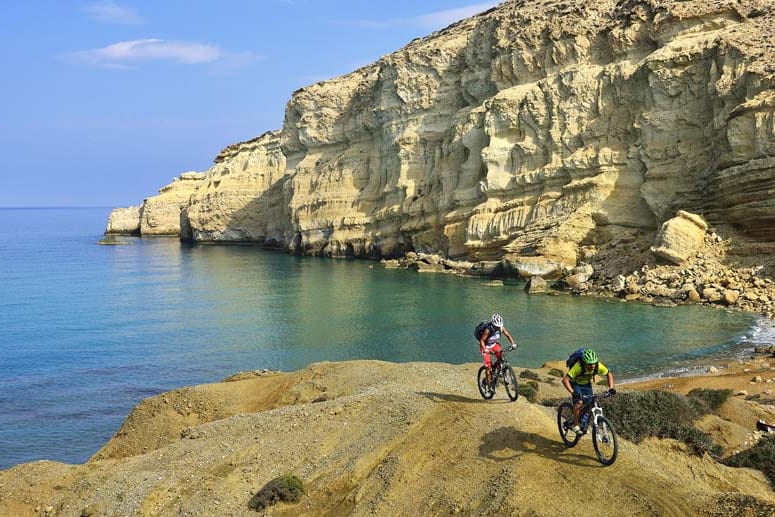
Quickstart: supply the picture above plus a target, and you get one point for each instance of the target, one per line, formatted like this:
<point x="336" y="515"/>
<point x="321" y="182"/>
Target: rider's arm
<point x="483" y="339"/>
<point x="508" y="335"/>
<point x="604" y="370"/>
<point x="570" y="375"/>
<point x="566" y="383"/>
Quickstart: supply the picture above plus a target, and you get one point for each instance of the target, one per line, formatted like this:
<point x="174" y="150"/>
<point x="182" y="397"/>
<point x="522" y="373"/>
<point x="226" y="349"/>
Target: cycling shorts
<point x="580" y="391"/>
<point x="495" y="348"/>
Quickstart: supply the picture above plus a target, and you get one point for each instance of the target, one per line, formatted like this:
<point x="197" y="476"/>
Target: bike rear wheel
<point x="565" y="424"/>
<point x="510" y="382"/>
<point x="484" y="387"/>
<point x="604" y="440"/>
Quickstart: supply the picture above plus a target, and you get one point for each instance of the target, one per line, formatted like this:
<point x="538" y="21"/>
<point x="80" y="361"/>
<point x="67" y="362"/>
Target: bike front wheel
<point x="484" y="387"/>
<point x="510" y="382"/>
<point x="565" y="424"/>
<point x="604" y="440"/>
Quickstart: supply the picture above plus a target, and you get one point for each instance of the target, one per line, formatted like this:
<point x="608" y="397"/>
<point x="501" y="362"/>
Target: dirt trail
<point x="371" y="438"/>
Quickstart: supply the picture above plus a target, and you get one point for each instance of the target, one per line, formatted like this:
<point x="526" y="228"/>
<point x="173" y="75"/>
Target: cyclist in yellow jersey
<point x="578" y="381"/>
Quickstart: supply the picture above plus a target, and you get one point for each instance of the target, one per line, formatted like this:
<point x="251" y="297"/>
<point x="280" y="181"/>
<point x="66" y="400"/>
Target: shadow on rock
<point x="507" y="443"/>
<point x="448" y="397"/>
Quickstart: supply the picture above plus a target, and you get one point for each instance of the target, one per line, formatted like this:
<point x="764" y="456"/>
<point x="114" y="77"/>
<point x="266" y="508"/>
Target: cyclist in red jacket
<point x="489" y="343"/>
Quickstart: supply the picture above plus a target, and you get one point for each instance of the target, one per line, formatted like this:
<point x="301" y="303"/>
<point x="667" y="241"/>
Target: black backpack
<point x="479" y="330"/>
<point x="575" y="357"/>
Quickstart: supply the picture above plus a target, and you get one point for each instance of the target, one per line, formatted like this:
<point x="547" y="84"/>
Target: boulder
<point x="618" y="283"/>
<point x="711" y="294"/>
<point x="536" y="284"/>
<point x="680" y="238"/>
<point x="731" y="296"/>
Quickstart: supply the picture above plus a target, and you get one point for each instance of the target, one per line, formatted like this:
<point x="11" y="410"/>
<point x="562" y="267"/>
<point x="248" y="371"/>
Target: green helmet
<point x="589" y="356"/>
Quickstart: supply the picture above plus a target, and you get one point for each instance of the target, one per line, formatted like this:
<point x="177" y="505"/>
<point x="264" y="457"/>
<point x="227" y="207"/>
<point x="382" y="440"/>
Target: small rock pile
<point x="701" y="280"/>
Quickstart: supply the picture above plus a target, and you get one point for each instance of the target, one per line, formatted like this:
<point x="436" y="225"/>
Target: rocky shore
<point x="633" y="269"/>
<point x="377" y="438"/>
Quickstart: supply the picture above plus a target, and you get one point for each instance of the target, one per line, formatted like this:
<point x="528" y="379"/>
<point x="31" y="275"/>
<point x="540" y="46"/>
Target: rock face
<point x="158" y="215"/>
<point x="124" y="221"/>
<point x="524" y="133"/>
<point x="243" y="196"/>
<point x="161" y="214"/>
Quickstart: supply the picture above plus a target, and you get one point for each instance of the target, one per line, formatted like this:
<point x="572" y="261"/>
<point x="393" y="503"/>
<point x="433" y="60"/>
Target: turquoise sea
<point x="88" y="331"/>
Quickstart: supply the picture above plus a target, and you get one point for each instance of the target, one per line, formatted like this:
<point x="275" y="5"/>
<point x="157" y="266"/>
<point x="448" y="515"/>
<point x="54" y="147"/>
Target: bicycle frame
<point x="594" y="409"/>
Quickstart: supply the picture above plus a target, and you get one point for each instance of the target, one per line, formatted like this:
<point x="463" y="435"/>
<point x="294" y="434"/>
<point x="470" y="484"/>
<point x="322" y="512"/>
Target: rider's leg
<point x="579" y="392"/>
<point x="496" y="348"/>
<point x="491" y="349"/>
<point x="488" y="365"/>
<point x="576" y="412"/>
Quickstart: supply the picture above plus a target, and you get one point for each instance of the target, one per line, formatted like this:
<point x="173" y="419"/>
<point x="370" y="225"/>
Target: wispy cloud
<point x="429" y="21"/>
<point x="108" y="12"/>
<point x="126" y="54"/>
<point x="443" y="18"/>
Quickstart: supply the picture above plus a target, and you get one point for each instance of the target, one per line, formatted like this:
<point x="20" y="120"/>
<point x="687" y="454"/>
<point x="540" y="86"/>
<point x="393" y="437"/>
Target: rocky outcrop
<point x="243" y="196"/>
<point x="160" y="214"/>
<point x="524" y="135"/>
<point x="124" y="221"/>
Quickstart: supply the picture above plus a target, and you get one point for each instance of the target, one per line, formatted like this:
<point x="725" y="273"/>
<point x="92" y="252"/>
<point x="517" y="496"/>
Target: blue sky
<point x="103" y="103"/>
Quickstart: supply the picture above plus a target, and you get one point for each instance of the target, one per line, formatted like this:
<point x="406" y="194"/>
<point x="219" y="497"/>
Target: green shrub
<point x="699" y="441"/>
<point x="287" y="488"/>
<point x="761" y="457"/>
<point x="528" y="374"/>
<point x="553" y="402"/>
<point x="556" y="372"/>
<point x="638" y="415"/>
<point x="708" y="400"/>
<point x="529" y="392"/>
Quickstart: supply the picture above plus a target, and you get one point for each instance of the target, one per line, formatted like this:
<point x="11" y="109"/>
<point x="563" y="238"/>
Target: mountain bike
<point x="501" y="370"/>
<point x="603" y="434"/>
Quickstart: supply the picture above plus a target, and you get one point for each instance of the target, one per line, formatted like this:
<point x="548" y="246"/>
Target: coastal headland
<point x="378" y="438"/>
<point x="627" y="148"/>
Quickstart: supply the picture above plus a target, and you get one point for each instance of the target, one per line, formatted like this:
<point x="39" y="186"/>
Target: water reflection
<point x="259" y="309"/>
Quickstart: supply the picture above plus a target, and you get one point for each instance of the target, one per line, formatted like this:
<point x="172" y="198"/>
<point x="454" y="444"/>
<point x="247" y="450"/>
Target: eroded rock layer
<point x="527" y="131"/>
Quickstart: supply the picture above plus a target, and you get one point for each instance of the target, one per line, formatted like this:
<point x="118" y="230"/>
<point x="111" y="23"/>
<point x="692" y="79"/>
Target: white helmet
<point x="497" y="320"/>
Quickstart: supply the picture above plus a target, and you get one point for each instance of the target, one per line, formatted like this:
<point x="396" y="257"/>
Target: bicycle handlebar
<point x="588" y="400"/>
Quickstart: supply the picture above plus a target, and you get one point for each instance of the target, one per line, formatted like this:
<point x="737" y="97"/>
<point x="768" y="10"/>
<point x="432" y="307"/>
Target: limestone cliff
<point x="528" y="131"/>
<point x="158" y="215"/>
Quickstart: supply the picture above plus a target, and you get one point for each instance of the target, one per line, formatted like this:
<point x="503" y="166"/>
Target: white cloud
<point x="125" y="53"/>
<point x="107" y="12"/>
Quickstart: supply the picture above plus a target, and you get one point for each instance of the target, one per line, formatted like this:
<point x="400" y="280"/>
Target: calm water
<point x="87" y="331"/>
